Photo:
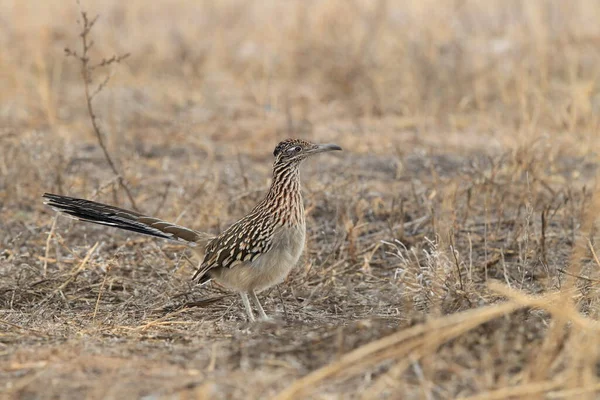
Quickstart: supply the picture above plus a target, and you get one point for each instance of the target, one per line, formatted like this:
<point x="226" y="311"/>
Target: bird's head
<point x="295" y="150"/>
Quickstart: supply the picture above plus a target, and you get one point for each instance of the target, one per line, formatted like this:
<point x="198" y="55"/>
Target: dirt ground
<point x="451" y="247"/>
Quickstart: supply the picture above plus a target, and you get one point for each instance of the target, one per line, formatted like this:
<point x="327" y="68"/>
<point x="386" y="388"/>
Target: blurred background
<point x="235" y="76"/>
<point x="217" y="71"/>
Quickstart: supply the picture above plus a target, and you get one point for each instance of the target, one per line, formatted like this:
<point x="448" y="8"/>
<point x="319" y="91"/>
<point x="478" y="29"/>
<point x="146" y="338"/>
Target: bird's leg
<point x="261" y="312"/>
<point x="247" y="306"/>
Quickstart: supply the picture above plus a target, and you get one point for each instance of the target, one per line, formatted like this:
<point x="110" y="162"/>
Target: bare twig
<point x="593" y="252"/>
<point x="108" y="268"/>
<point x="87" y="69"/>
<point x="543" y="234"/>
<point x="163" y="198"/>
<point x="47" y="253"/>
<point x="454" y="251"/>
<point x="78" y="269"/>
<point x="585" y="278"/>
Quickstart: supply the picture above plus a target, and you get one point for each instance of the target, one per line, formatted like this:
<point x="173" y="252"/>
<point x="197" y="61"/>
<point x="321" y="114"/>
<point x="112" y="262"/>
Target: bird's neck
<point x="285" y="193"/>
<point x="286" y="180"/>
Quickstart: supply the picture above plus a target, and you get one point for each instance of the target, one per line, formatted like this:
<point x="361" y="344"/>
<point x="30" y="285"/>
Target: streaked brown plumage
<point x="253" y="254"/>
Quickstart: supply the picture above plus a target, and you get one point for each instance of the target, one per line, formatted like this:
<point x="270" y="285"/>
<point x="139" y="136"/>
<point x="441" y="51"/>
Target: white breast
<point x="275" y="265"/>
<point x="272" y="267"/>
<point x="268" y="269"/>
<point x="291" y="240"/>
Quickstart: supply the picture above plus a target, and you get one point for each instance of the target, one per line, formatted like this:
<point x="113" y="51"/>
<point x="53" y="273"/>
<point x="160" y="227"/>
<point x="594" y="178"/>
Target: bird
<point x="251" y="255"/>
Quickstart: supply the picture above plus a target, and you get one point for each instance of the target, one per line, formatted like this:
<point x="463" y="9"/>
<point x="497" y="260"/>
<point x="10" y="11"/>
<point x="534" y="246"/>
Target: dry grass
<point x="452" y="248"/>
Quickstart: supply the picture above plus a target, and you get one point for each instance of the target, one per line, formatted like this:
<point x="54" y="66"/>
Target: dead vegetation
<point x="452" y="248"/>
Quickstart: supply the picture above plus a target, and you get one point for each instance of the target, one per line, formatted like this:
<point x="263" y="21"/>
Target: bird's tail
<point x="104" y="214"/>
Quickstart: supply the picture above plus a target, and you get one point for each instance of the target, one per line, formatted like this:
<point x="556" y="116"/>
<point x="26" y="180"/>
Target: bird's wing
<point x="242" y="242"/>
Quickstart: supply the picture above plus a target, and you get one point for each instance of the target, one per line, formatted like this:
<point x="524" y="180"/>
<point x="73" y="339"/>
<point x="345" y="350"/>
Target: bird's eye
<point x="294" y="149"/>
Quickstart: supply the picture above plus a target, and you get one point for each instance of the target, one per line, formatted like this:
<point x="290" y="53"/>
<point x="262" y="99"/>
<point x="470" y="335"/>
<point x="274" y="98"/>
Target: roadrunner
<point x="253" y="254"/>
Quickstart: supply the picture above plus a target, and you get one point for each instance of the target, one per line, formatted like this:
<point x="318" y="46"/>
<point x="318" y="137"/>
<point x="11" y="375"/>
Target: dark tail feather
<point x="104" y="214"/>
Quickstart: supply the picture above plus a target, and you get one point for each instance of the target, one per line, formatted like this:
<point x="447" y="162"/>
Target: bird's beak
<point x="326" y="147"/>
